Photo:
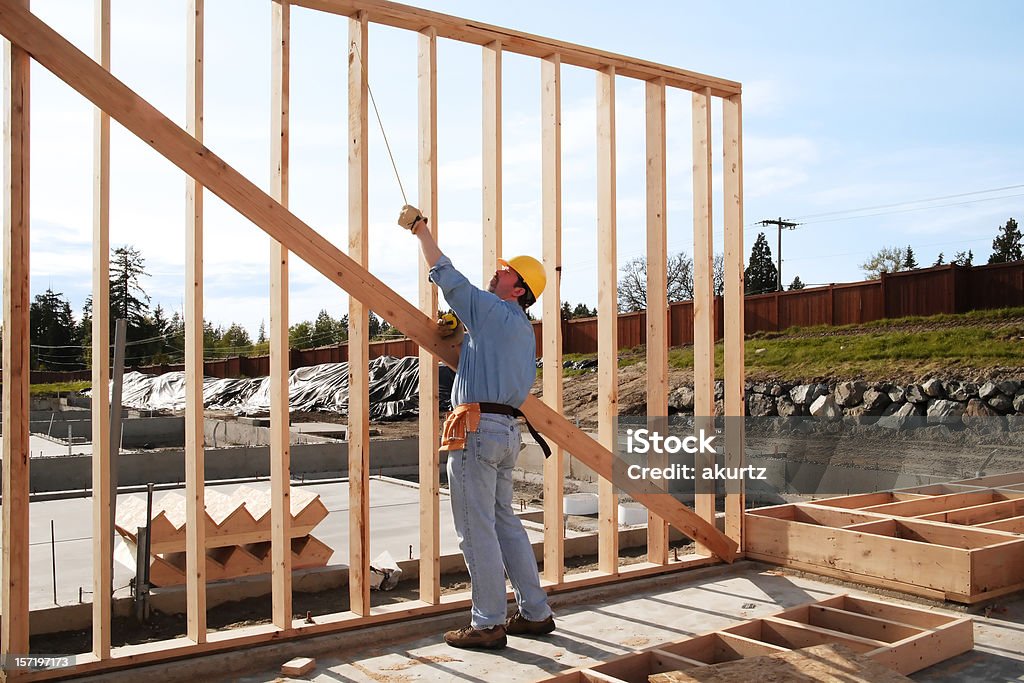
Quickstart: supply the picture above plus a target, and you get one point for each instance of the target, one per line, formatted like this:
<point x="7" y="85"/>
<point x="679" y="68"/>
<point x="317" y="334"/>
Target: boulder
<point x="941" y="411"/>
<point x="957" y="391"/>
<point x="979" y="417"/>
<point x="933" y="388"/>
<point x="914" y="394"/>
<point x="759" y="405"/>
<point x="1008" y="387"/>
<point x="906" y="416"/>
<point x="1018" y="403"/>
<point x="719" y="390"/>
<point x="778" y="390"/>
<point x="988" y="390"/>
<point x="1001" y="402"/>
<point x="897" y="394"/>
<point x="825" y="407"/>
<point x="803" y="394"/>
<point x="849" y="394"/>
<point x="682" y="398"/>
<point x="786" y="408"/>
<point x="875" y="401"/>
<point x="978" y="408"/>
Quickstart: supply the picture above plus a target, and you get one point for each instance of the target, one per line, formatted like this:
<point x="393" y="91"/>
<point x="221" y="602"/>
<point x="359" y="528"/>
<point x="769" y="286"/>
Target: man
<point x="482" y="437"/>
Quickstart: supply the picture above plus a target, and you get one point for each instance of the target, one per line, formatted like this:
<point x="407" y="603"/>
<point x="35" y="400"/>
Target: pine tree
<point x="909" y="262"/>
<point x="940" y="260"/>
<point x="1006" y="246"/>
<point x="325" y="330"/>
<point x="160" y="348"/>
<point x="128" y="300"/>
<point x="797" y="283"/>
<point x="261" y="336"/>
<point x="761" y="274"/>
<point x="53" y="334"/>
<point x="582" y="311"/>
<point x="127" y="267"/>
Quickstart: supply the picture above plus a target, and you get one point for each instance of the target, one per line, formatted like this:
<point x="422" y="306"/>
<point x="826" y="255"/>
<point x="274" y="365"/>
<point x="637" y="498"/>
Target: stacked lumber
<point x="237" y="533"/>
<point x="962" y="541"/>
<point x="840" y="638"/>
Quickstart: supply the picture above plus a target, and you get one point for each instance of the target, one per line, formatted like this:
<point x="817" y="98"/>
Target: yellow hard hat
<point x="531" y="270"/>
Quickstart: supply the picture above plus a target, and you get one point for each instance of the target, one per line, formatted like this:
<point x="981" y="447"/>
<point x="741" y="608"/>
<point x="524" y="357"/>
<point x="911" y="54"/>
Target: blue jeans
<point x="491" y="537"/>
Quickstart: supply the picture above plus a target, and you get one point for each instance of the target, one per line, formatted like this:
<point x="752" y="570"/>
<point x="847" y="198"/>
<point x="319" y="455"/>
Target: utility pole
<point x="788" y="225"/>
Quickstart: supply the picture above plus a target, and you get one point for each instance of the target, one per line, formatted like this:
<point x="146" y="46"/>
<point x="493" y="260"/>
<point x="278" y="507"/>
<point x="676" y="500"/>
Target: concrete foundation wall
<point x="223" y="433"/>
<point x="143" y="432"/>
<point x="69" y="473"/>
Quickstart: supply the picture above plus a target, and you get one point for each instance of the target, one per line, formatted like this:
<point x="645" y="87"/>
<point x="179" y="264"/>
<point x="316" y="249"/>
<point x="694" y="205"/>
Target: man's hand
<point x="410" y="218"/>
<point x="448" y="324"/>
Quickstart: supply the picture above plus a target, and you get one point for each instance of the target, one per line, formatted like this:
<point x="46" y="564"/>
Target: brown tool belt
<point x="466" y="418"/>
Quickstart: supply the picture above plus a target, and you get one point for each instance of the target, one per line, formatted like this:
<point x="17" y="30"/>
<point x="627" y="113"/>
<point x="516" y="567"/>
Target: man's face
<point x="505" y="284"/>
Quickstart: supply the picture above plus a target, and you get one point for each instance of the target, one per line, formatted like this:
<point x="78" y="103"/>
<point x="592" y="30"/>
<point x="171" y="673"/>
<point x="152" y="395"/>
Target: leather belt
<point x="502" y="409"/>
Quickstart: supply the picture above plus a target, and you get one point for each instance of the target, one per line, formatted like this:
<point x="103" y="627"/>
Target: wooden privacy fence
<point x="31" y="39"/>
<point x="929" y="291"/>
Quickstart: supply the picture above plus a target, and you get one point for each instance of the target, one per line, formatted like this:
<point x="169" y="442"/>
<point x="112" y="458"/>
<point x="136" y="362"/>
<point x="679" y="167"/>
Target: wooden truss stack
<point x="237" y="533"/>
<point x="904" y="639"/>
<point x="962" y="541"/>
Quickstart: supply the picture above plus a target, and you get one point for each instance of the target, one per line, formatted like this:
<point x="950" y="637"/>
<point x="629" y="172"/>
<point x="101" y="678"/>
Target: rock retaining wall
<point x="953" y="403"/>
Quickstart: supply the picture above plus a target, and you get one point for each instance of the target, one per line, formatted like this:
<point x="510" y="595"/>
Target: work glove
<point x="410" y="218"/>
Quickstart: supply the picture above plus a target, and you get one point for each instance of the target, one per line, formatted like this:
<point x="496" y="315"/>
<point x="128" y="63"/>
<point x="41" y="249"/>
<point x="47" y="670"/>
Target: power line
<point x="856" y="253"/>
<point x="920" y="208"/>
<point x="916" y="201"/>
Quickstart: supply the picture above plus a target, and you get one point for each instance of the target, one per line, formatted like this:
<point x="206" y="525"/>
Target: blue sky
<point x="846" y="106"/>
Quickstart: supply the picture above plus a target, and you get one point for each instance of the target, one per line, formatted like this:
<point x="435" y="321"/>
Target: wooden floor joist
<point x="80" y="72"/>
<point x="901" y="639"/>
<point x="949" y="541"/>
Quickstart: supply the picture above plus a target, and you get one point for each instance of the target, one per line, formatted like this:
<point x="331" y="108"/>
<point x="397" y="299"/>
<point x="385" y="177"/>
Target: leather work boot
<point x="492" y="638"/>
<point x="518" y="625"/>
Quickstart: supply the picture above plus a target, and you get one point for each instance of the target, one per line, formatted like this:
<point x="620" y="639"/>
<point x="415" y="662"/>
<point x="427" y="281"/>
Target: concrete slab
<point x="593" y="625"/>
<point x="321" y="429"/>
<point x="40" y="446"/>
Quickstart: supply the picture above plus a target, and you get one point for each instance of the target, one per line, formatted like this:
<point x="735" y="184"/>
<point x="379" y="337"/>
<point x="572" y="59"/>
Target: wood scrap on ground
<point x="831" y="663"/>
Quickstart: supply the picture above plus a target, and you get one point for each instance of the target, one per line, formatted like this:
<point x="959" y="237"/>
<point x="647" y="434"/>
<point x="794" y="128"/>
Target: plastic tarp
<point x="394" y="390"/>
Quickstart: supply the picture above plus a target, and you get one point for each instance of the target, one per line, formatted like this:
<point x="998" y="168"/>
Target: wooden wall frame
<point x="429" y="431"/>
<point x="102" y="498"/>
<point x="185" y="148"/>
<point x="280" y="454"/>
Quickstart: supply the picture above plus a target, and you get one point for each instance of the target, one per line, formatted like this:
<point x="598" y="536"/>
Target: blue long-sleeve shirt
<point x="497" y="363"/>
